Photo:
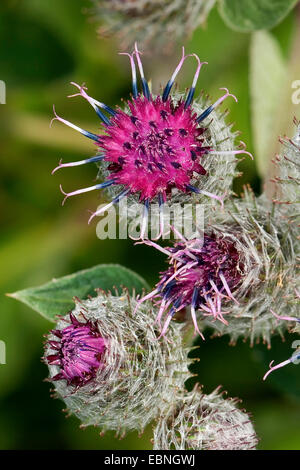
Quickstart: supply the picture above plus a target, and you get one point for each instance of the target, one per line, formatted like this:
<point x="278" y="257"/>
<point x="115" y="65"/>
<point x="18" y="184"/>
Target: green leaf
<point x="251" y="15"/>
<point x="56" y="297"/>
<point x="268" y="87"/>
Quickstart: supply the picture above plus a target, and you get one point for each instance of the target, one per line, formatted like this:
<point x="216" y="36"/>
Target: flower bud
<point x="158" y="21"/>
<point x="271" y="277"/>
<point x="204" y="422"/>
<point x="271" y="232"/>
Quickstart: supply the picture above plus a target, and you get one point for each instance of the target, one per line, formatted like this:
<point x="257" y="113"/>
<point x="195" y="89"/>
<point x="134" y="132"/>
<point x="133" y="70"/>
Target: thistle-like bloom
<point x="158" y="145"/>
<point x="204" y="422"/>
<point x="266" y="237"/>
<point x="155" y="21"/>
<point x="202" y="275"/>
<point x="105" y="364"/>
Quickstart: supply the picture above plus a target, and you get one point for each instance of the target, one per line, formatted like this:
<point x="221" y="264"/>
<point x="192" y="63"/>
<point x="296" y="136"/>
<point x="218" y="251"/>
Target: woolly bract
<point x="204" y="422"/>
<point x="150" y="21"/>
<point x="138" y="374"/>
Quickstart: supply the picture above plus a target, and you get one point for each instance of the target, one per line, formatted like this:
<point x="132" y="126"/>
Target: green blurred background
<point x="43" y="46"/>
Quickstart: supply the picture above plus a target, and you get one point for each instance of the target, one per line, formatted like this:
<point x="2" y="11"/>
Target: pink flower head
<point x="201" y="274"/>
<point x="152" y="146"/>
<point x="77" y="352"/>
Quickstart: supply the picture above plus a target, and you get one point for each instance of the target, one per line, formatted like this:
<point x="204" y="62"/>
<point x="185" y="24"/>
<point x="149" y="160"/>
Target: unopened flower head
<point x="159" y="145"/>
<point x="203" y="274"/>
<point x="268" y="303"/>
<point x="271" y="231"/>
<point x="155" y="21"/>
<point x="256" y="275"/>
<point x="108" y="367"/>
<point x="204" y="422"/>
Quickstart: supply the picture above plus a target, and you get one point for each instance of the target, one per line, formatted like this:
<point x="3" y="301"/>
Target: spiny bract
<point x="151" y="21"/>
<point x="245" y="270"/>
<point x="204" y="422"/>
<point x="271" y="229"/>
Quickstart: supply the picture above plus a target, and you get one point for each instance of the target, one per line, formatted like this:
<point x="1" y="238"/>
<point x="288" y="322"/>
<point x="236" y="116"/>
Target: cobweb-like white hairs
<point x="271" y="231"/>
<point x="287" y="180"/>
<point x="204" y="422"/>
<point x="270" y="277"/>
<point x="155" y="21"/>
<point x="140" y="374"/>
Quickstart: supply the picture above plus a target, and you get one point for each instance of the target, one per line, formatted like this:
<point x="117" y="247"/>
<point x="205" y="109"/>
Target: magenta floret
<point x="77" y="352"/>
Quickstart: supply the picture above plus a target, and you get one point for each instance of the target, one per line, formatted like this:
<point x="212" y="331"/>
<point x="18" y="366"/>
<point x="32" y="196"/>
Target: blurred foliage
<point x="252" y="15"/>
<point x="43" y="46"/>
<point x="268" y="92"/>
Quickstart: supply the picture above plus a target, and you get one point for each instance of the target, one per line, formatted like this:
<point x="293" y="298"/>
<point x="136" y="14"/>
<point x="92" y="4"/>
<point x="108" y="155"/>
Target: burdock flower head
<point x="245" y="269"/>
<point x="204" y="422"/>
<point x="270" y="303"/>
<point x="107" y="366"/>
<point x="203" y="275"/>
<point x="151" y="20"/>
<point x="158" y="145"/>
